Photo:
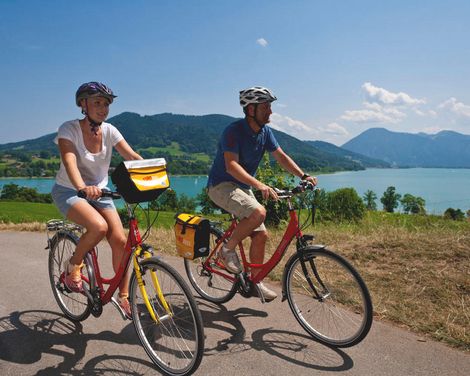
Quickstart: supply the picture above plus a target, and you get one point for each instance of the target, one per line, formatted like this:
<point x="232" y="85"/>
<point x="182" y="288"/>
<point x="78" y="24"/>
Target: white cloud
<point x="262" y="42"/>
<point x="456" y="107"/>
<point x="287" y="124"/>
<point x="371" y="116"/>
<point x="380" y="95"/>
<point x="333" y="132"/>
<point x="336" y="129"/>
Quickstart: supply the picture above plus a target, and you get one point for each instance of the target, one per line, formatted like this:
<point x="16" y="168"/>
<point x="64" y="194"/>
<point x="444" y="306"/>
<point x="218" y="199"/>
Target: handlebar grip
<point x="104" y="193"/>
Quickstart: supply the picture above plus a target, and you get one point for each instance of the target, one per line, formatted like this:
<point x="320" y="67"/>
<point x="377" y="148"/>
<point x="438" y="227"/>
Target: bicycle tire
<point x="74" y="305"/>
<point x="176" y="343"/>
<point x="210" y="286"/>
<point x="342" y="317"/>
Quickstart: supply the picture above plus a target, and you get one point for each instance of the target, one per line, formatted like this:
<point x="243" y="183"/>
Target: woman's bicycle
<point x="164" y="311"/>
<point x="325" y="293"/>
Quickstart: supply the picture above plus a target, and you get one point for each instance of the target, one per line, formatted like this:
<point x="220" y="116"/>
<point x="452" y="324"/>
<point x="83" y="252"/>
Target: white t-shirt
<point x="92" y="166"/>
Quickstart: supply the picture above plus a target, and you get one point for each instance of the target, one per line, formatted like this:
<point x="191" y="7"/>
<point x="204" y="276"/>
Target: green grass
<point x="24" y="212"/>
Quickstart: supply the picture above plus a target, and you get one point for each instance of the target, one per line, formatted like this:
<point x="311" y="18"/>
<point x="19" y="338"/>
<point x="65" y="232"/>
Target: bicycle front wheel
<point x="175" y="341"/>
<point x="211" y="286"/>
<point x="74" y="305"/>
<point x="338" y="310"/>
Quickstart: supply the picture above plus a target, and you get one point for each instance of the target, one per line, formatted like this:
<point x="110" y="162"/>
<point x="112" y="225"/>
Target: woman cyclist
<point x="86" y="147"/>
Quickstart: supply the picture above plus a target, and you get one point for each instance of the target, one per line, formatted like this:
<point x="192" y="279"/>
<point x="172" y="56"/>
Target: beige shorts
<point x="239" y="201"/>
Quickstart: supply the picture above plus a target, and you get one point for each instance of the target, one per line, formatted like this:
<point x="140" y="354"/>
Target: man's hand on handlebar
<point x="267" y="192"/>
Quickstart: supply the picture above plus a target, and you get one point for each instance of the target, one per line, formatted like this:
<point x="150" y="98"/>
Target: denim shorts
<point x="64" y="198"/>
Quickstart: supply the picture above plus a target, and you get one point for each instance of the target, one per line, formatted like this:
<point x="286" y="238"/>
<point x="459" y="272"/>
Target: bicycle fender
<point x="301" y="253"/>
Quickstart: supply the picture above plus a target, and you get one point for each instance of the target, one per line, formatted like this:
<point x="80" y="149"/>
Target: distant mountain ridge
<point x="446" y="149"/>
<point x="189" y="143"/>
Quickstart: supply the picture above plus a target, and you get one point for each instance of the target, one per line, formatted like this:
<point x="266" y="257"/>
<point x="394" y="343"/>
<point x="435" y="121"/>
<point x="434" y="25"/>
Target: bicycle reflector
<point x="141" y="180"/>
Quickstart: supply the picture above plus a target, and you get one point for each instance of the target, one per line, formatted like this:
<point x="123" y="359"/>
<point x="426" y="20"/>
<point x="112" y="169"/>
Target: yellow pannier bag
<point x="141" y="180"/>
<point x="192" y="234"/>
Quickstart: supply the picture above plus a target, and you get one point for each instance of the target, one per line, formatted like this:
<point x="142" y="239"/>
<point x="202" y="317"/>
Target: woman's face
<point x="97" y="108"/>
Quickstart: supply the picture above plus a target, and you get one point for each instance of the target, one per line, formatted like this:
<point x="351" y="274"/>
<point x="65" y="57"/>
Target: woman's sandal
<point x="73" y="276"/>
<point x="123" y="302"/>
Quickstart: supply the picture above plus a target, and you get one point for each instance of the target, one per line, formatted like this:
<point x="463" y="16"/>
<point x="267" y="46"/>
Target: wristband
<point x="304" y="176"/>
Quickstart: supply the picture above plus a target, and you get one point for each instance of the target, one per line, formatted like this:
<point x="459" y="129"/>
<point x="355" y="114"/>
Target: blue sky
<point x="337" y="67"/>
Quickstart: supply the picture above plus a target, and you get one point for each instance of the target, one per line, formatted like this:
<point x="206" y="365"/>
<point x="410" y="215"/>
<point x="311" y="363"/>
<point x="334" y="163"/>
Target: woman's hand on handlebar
<point x="311" y="179"/>
<point x="91" y="192"/>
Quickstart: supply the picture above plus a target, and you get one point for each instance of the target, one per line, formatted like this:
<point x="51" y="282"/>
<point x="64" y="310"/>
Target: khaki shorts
<point x="238" y="201"/>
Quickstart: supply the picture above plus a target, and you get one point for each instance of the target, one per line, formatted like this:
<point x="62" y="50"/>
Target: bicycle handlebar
<point x="302" y="187"/>
<point x="104" y="193"/>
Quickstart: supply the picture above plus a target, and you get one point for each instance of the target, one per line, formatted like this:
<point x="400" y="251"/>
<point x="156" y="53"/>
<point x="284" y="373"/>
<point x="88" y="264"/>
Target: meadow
<point x="417" y="268"/>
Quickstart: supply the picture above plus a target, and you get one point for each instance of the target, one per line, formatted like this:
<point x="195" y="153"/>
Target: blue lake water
<point x="440" y="188"/>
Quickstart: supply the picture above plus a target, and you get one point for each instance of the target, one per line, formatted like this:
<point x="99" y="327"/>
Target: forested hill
<point x="189" y="144"/>
<point x="445" y="149"/>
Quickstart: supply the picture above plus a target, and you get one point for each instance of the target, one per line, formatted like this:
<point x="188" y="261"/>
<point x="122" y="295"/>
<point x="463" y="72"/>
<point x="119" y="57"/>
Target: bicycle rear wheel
<point x="175" y="343"/>
<point x="341" y="314"/>
<point x="209" y="285"/>
<point x="74" y="305"/>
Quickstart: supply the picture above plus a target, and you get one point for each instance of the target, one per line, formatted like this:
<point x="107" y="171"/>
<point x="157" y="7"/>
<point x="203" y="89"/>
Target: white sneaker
<point x="268" y="294"/>
<point x="230" y="259"/>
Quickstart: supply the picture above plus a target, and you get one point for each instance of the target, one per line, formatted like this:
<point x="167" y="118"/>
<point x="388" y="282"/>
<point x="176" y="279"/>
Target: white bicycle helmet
<point x="256" y="95"/>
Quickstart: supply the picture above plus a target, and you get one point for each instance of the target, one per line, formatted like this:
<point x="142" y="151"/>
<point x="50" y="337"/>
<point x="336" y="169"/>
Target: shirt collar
<point x="250" y="131"/>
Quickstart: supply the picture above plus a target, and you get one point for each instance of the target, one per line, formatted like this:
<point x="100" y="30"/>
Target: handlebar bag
<point x="141" y="180"/>
<point x="192" y="234"/>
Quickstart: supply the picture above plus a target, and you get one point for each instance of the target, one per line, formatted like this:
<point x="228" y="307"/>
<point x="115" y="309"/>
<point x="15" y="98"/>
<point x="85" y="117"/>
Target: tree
<point x="412" y="204"/>
<point x="167" y="201"/>
<point x="390" y="199"/>
<point x="274" y="176"/>
<point x="186" y="204"/>
<point x="206" y="204"/>
<point x="369" y="200"/>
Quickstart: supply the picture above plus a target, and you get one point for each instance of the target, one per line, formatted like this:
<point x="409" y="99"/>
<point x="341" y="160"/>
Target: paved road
<point x="242" y="336"/>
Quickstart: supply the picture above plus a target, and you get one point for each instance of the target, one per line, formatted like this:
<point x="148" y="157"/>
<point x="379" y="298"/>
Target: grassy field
<point x="417" y="268"/>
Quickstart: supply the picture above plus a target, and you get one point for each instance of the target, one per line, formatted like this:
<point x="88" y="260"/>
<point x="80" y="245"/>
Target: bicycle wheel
<point x="211" y="286"/>
<point x="73" y="304"/>
<point x="175" y="343"/>
<point x="341" y="314"/>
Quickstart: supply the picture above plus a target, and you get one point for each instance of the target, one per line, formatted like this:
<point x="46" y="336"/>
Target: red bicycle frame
<point x="292" y="231"/>
<point x="133" y="240"/>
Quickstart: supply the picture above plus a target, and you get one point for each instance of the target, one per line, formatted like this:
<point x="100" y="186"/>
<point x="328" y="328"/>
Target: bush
<point x="454" y="214"/>
<point x="13" y="192"/>
<point x="341" y="205"/>
<point x="390" y="199"/>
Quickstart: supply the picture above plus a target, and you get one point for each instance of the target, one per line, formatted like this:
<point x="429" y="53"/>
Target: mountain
<point x="446" y="149"/>
<point x="355" y="157"/>
<point x="189" y="143"/>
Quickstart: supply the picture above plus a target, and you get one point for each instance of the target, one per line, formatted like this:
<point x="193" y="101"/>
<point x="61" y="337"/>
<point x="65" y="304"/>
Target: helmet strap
<point x="93" y="124"/>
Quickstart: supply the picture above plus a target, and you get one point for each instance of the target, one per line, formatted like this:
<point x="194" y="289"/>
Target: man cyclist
<point x="240" y="150"/>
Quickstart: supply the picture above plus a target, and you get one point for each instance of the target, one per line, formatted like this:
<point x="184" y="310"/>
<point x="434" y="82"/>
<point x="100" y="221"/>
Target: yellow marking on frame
<point x="156" y="284"/>
<point x="142" y="287"/>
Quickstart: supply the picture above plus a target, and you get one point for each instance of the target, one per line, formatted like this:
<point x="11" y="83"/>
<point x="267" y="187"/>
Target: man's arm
<point x="238" y="172"/>
<point x="288" y="164"/>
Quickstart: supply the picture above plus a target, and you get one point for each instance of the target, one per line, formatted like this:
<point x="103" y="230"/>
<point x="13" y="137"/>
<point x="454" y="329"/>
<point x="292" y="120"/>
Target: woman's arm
<point x="126" y="151"/>
<point x="69" y="159"/>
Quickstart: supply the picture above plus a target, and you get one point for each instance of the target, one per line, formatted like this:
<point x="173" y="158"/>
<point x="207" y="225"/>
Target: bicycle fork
<point x="145" y="253"/>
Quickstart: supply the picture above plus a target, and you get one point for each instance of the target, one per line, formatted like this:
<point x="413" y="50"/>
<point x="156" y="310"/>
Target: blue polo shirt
<point x="250" y="146"/>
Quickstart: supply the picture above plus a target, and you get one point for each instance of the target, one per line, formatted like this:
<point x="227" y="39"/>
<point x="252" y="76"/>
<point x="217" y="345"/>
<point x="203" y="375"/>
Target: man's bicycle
<point x="325" y="293"/>
<point x="164" y="311"/>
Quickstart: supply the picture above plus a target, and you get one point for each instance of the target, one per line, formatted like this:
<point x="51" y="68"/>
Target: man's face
<point x="262" y="112"/>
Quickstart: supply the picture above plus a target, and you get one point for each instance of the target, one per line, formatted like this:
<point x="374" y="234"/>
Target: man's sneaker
<point x="230" y="259"/>
<point x="73" y="277"/>
<point x="268" y="294"/>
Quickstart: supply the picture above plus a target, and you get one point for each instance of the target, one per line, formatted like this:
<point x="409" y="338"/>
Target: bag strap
<point x="186" y="223"/>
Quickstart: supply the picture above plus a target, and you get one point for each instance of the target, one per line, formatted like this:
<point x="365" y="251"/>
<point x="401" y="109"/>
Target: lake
<point x="440" y="188"/>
